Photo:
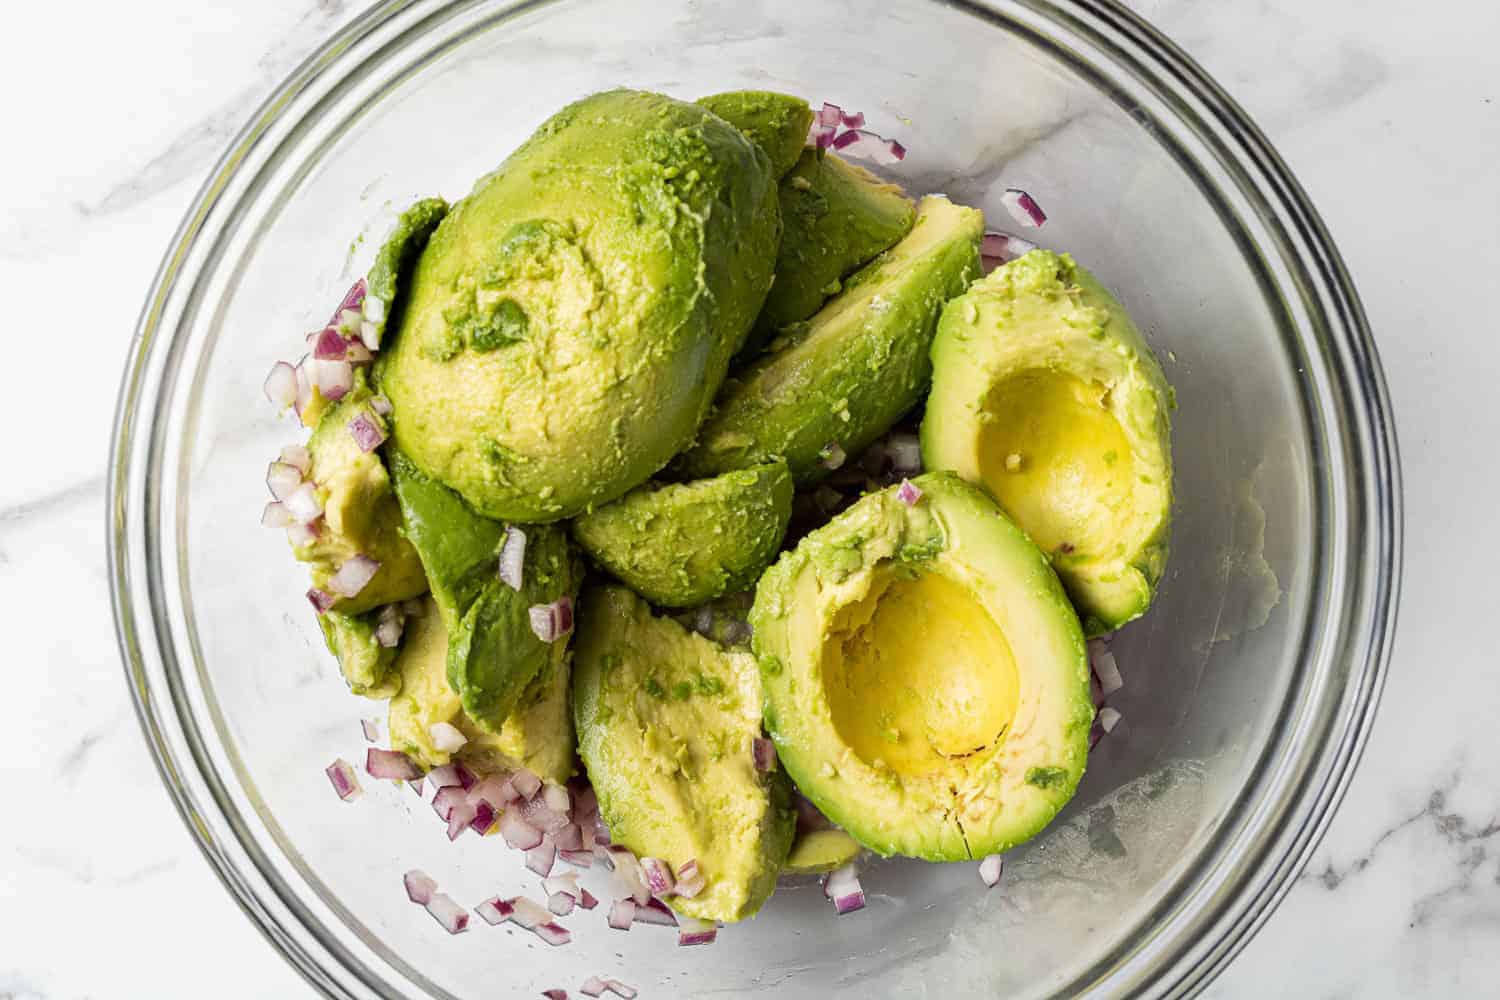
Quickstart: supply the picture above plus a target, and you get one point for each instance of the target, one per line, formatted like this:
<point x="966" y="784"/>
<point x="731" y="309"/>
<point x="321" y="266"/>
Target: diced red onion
<point x="282" y="479"/>
<point x="830" y="114"/>
<point x="462" y="817"/>
<point x="601" y="831"/>
<point x="381" y="405"/>
<point x="416" y="786"/>
<point x="495" y="790"/>
<point x="366" y="431"/>
<point x="446" y="737"/>
<point x="329" y="345"/>
<point x="832" y="456"/>
<point x="854" y="119"/>
<point x="297" y="455"/>
<point x="526" y="783"/>
<point x="542" y="857"/>
<point x="369" y="335"/>
<point x="465" y="776"/>
<point x="629" y="879"/>
<point x="692" y="931"/>
<point x="1023" y="208"/>
<point x="446" y="799"/>
<point x="518" y="833"/>
<point x="281" y="386"/>
<point x="1109" y="718"/>
<point x="658" y="876"/>
<point x="991" y="868"/>
<point x="587" y="899"/>
<point x="909" y="493"/>
<point x="454" y="918"/>
<point x="561" y="903"/>
<point x="585" y="804"/>
<point x="371" y="730"/>
<point x="358" y="353"/>
<point x="484" y="816"/>
<point x="302" y="534"/>
<point x="822" y="136"/>
<point x="1105" y="667"/>
<point x="341" y="775"/>
<point x="763" y="754"/>
<point x="622" y="914"/>
<point x="553" y="933"/>
<point x="842" y="886"/>
<point x="863" y="144"/>
<point x="619" y="989"/>
<point x="567" y="882"/>
<point x="321" y="600"/>
<point x="495" y="911"/>
<point x="581" y="858"/>
<point x="304" y="504"/>
<point x="690" y="880"/>
<point x="528" y="914"/>
<point x="354" y="298"/>
<point x="419" y="886"/>
<point x="333" y="379"/>
<point x="304" y="386"/>
<point x="389" y="628"/>
<point x="654" y="911"/>
<point x="444" y="776"/>
<point x="557" y="799"/>
<point x="513" y="558"/>
<point x="536" y="812"/>
<point x="552" y="621"/>
<point x="593" y="986"/>
<point x="373" y="308"/>
<point x="352" y="577"/>
<point x="391" y="765"/>
<point x="569" y="838"/>
<point x="555" y="994"/>
<point x="275" y="516"/>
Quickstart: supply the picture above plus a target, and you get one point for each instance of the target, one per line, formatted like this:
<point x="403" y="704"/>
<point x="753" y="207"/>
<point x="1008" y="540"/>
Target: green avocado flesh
<point x="570" y="320"/>
<point x="820" y="851"/>
<point x="777" y="123"/>
<point x="853" y="369"/>
<point x="1046" y="394"/>
<point x="360" y="514"/>
<point x="835" y="217"/>
<point x="665" y="718"/>
<point x="492" y="652"/>
<point x="682" y="544"/>
<point x="538" y="734"/>
<point x="925" y="678"/>
<point x="365" y="663"/>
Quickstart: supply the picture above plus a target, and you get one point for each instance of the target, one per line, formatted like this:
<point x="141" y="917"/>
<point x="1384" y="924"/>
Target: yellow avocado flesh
<point x="1058" y="461"/>
<point x="920" y="676"/>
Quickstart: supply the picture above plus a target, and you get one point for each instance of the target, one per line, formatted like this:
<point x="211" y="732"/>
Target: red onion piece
<point x="569" y="838"/>
<point x="389" y="627"/>
<point x="454" y="918"/>
<point x="297" y="455"/>
<point x="446" y="737"/>
<point x="526" y="783"/>
<point x="629" y="880"/>
<point x="465" y="776"/>
<point x="763" y="754"/>
<point x="341" y="775"/>
<point x="518" y="833"/>
<point x="822" y="136"/>
<point x="555" y="994"/>
<point x="444" y="776"/>
<point x="585" y="804"/>
<point x="321" y="600"/>
<point x="536" y="812"/>
<point x="842" y="886"/>
<point x="281" y="386"/>
<point x="581" y="858"/>
<point x="542" y="857"/>
<point x="552" y="621"/>
<point x="391" y="765"/>
<point x="557" y="799"/>
<point x="862" y="144"/>
<point x="381" y="405"/>
<point x="461" y="819"/>
<point x="332" y="379"/>
<point x="282" y="479"/>
<point x="513" y="559"/>
<point x="587" y="899"/>
<point x="593" y="986"/>
<point x="692" y="931"/>
<point x="654" y="911"/>
<point x="690" y="880"/>
<point x="909" y="493"/>
<point x="567" y="883"/>
<point x="854" y="119"/>
<point x="1023" y="208"/>
<point x="447" y="798"/>
<point x="484" y="816"/>
<point x="619" y="989"/>
<point x="622" y="914"/>
<point x="366" y="431"/>
<point x="373" y="308"/>
<point x="990" y="870"/>
<point x="528" y="914"/>
<point x="354" y="298"/>
<point x="352" y="577"/>
<point x="1109" y="718"/>
<point x="495" y="910"/>
<point x="302" y="534"/>
<point x="304" y="504"/>
<point x="304" y="386"/>
<point x="275" y="516"/>
<point x="830" y="114"/>
<point x="553" y="933"/>
<point x="419" y="886"/>
<point x="329" y="345"/>
<point x="371" y="730"/>
<point x="1105" y="667"/>
<point x="561" y="903"/>
<point x="497" y="791"/>
<point x="658" y="876"/>
<point x="358" y="353"/>
<point x="832" y="456"/>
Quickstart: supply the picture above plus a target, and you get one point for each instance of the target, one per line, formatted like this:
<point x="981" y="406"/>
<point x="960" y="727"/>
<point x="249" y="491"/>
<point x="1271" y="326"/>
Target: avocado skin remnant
<point x="664" y="719"/>
<point x="398" y="255"/>
<point x="849" y="373"/>
<point x="365" y="663"/>
<point x="777" y="123"/>
<point x="683" y="544"/>
<point x="570" y="320"/>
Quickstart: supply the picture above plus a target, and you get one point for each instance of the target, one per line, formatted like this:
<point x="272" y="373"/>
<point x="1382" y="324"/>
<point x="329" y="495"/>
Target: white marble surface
<point x="113" y="112"/>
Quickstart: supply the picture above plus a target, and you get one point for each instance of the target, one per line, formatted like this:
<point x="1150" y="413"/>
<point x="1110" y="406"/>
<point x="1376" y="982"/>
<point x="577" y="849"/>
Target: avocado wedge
<point x="777" y="123"/>
<point x="1045" y="393"/>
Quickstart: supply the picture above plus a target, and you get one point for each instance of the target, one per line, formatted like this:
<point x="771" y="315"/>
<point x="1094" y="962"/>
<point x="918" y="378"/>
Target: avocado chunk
<point x="493" y="654"/>
<point x="835" y="217"/>
<point x="665" y="718"/>
<point x="1045" y="393"/>
<point x="777" y="123"/>
<point x="397" y="257"/>
<point x="571" y="319"/>
<point x="925" y="677"/>
<point x="682" y="544"/>
<point x="820" y="851"/>
<point x="855" y="368"/>
<point x="538" y="735"/>
<point x="360" y="513"/>
<point x="365" y="663"/>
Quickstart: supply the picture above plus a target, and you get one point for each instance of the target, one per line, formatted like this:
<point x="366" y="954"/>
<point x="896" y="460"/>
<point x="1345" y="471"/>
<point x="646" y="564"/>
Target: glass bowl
<point x="1250" y="686"/>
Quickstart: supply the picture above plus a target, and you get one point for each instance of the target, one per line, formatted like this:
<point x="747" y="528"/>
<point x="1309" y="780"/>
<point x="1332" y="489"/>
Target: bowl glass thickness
<point x="1250" y="685"/>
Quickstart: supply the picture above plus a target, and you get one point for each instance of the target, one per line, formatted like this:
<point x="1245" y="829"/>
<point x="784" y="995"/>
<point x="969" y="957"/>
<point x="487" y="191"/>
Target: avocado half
<point x="1045" y="393"/>
<point x="926" y="680"/>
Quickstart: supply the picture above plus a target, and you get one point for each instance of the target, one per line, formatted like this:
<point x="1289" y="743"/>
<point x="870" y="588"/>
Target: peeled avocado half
<point x="1046" y="394"/>
<point x="925" y="678"/>
<point x="665" y="718"/>
<point x="852" y="370"/>
<point x="570" y="320"/>
<point x="682" y="544"/>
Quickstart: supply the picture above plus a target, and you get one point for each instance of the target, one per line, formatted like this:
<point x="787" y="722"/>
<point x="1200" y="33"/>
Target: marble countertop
<point x="1387" y="112"/>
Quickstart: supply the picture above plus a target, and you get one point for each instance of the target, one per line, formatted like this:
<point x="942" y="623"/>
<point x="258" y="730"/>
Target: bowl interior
<point x="983" y="101"/>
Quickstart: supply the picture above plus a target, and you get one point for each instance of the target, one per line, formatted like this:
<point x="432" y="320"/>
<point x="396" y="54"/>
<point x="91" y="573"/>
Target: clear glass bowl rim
<point x="1199" y="935"/>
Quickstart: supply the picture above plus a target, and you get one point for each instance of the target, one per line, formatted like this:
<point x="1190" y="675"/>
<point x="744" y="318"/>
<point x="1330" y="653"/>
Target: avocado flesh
<point x="836" y="216"/>
<point x="925" y="677"/>
<point x="364" y="662"/>
<point x="664" y="720"/>
<point x="570" y="320"/>
<point x="538" y="735"/>
<point x="493" y="654"/>
<point x="777" y="123"/>
<point x="852" y="371"/>
<point x="820" y="851"/>
<point x="1045" y="393"/>
<point x="360" y="513"/>
<point x="682" y="544"/>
